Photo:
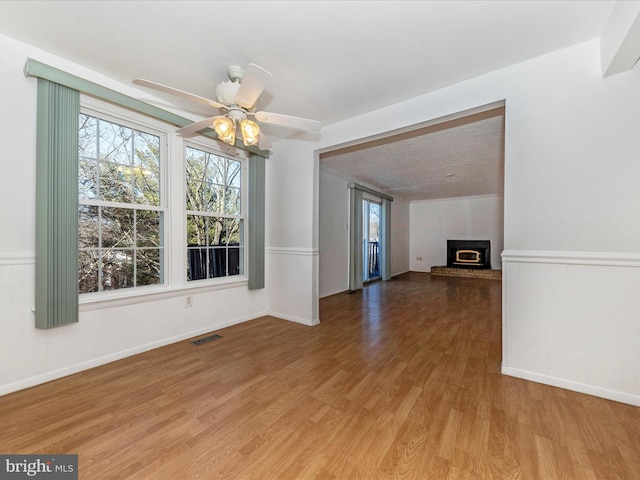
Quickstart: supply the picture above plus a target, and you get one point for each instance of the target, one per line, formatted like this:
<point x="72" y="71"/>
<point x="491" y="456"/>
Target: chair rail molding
<point x="307" y="252"/>
<point x="17" y="258"/>
<point x="614" y="259"/>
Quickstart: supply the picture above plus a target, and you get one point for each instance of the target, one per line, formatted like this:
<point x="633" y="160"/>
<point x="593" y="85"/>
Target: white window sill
<point x="117" y="298"/>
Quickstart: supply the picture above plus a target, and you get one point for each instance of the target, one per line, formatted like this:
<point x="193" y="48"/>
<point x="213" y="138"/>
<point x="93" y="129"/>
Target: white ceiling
<point x="331" y="60"/>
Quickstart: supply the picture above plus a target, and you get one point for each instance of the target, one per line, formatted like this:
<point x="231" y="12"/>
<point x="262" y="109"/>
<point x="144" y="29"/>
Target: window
<point x="215" y="215"/>
<point x="121" y="213"/>
<point x="110" y="209"/>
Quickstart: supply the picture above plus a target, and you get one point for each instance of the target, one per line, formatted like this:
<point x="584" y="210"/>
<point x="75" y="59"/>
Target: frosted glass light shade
<point x="226" y="129"/>
<point x="250" y="132"/>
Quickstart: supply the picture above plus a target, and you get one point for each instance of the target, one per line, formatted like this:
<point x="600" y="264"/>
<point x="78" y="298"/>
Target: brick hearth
<point x="467" y="272"/>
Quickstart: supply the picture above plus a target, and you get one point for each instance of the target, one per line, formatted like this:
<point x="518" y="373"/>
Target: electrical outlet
<point x="419" y="259"/>
<point x="188" y="301"/>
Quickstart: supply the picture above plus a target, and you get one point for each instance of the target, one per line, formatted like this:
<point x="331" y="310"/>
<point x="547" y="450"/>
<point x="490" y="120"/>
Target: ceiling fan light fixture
<point x="250" y="132"/>
<point x="226" y="129"/>
<point x="237" y="97"/>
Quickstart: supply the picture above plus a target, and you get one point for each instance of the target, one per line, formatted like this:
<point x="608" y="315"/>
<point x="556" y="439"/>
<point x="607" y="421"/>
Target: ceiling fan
<point x="237" y="97"/>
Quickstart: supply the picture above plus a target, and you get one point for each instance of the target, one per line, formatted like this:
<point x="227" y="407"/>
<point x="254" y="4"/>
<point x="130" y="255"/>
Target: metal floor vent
<point x="202" y="340"/>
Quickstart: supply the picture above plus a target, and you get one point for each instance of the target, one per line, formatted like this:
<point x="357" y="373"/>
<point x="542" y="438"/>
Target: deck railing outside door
<point x="374" y="259"/>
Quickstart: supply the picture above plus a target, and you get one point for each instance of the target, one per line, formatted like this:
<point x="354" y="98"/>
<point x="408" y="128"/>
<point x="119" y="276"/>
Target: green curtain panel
<point x="256" y="221"/>
<point x="56" y="283"/>
<point x="355" y="238"/>
<point x="385" y="237"/>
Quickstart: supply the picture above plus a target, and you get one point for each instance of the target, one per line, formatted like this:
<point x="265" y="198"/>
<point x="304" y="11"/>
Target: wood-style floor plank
<point x="399" y="381"/>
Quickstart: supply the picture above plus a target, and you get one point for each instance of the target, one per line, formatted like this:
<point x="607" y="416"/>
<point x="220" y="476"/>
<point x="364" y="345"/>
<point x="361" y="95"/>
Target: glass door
<point x="370" y="240"/>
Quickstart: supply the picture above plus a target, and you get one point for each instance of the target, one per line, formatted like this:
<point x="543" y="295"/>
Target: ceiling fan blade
<point x="180" y="93"/>
<point x="254" y="81"/>
<point x="192" y="129"/>
<point x="297" y="123"/>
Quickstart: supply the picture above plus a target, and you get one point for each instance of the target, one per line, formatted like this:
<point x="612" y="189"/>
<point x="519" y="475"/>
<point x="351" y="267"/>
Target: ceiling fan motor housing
<point x="235" y="73"/>
<point x="236" y="114"/>
<point x="226" y="92"/>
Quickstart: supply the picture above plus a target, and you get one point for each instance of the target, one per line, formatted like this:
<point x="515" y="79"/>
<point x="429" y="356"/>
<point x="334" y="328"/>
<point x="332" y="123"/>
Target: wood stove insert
<point x="474" y="254"/>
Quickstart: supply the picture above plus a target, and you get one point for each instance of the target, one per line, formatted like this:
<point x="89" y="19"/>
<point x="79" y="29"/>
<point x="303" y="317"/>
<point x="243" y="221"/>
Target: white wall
<point x="572" y="321"/>
<point x="105" y="332"/>
<point x="433" y="222"/>
<point x="571" y="170"/>
<point x="291" y="234"/>
<point x="400" y="236"/>
<point x="334" y="234"/>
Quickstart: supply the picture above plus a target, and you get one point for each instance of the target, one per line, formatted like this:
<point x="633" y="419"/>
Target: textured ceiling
<point x="331" y="60"/>
<point x="457" y="158"/>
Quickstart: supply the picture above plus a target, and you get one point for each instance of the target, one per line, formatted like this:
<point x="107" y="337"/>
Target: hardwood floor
<point x="400" y="381"/>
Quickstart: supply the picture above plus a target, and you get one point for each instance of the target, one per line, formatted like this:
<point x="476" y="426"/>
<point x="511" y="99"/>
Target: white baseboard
<point x="292" y="318"/>
<point x="574" y="386"/>
<point x="96" y="362"/>
<point x="395" y="274"/>
<point x="335" y="292"/>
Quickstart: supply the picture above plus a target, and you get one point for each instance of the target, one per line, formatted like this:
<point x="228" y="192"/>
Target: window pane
<point x="87" y="179"/>
<point x="217" y="262"/>
<point x="213" y="198"/>
<point x="195" y="164"/>
<point x="232" y="201"/>
<point x="147" y="228"/>
<point x="196" y="263"/>
<point x="148" y="267"/>
<point x="88" y="227"/>
<point x="146" y="189"/>
<point x="116" y="143"/>
<point x="196" y="230"/>
<point x="87" y="137"/>
<point x="230" y="232"/>
<point x="115" y="182"/>
<point x="147" y="167"/>
<point x="234" y="173"/>
<point x="235" y="257"/>
<point x="216" y="231"/>
<point x="117" y="269"/>
<point x="117" y="227"/>
<point x="146" y="151"/>
<point x="88" y="262"/>
<point x="215" y="166"/>
<point x="194" y="195"/>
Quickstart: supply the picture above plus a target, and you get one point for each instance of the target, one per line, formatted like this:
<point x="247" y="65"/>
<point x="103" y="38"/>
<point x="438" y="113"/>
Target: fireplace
<point x="469" y="253"/>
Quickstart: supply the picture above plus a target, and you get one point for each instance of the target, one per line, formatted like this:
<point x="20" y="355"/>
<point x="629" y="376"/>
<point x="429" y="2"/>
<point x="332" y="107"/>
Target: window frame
<point x="214" y="147"/>
<point x="173" y="195"/>
<point x="115" y="114"/>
